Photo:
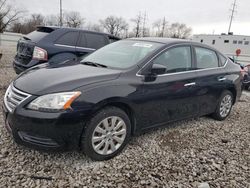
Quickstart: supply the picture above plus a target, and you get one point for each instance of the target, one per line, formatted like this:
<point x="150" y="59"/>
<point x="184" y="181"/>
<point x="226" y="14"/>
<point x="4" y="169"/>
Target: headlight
<point x="54" y="102"/>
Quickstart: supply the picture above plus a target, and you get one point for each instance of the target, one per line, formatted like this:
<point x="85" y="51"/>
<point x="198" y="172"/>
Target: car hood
<point x="42" y="80"/>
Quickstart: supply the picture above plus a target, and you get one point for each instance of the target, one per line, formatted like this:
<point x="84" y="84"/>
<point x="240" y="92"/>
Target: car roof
<point x="172" y="41"/>
<point x="75" y="29"/>
<point x="161" y="40"/>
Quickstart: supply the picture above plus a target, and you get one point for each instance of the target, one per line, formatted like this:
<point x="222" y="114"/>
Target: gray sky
<point x="204" y="16"/>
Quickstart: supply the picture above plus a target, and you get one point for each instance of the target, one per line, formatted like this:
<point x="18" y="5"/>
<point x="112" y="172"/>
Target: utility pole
<point x="144" y="24"/>
<point x="164" y="23"/>
<point x="232" y="16"/>
<point x="61" y="24"/>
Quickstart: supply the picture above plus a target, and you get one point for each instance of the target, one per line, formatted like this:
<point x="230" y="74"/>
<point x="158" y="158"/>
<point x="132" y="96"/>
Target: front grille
<point x="14" y="97"/>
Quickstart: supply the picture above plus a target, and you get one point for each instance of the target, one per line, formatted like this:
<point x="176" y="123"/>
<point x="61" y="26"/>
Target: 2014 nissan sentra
<point x="124" y="88"/>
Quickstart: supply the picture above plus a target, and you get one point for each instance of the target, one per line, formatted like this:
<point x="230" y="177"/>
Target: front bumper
<point x="45" y="131"/>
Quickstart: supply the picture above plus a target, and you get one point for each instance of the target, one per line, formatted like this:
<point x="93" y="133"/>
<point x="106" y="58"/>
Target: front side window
<point x="123" y="54"/>
<point x="206" y="58"/>
<point x="68" y="39"/>
<point x="176" y="59"/>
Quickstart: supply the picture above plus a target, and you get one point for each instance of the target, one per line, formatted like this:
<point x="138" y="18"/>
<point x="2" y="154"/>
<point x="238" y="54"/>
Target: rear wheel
<point x="106" y="134"/>
<point x="224" y="106"/>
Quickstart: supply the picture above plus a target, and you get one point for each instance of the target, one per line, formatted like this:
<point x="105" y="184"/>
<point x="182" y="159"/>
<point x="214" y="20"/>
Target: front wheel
<point x="224" y="106"/>
<point x="106" y="134"/>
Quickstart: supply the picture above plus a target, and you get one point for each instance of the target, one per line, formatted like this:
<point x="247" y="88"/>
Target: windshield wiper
<point x="93" y="64"/>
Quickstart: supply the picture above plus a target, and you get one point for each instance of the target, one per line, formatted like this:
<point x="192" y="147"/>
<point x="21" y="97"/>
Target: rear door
<point x="89" y="42"/>
<point x="66" y="43"/>
<point x="211" y="78"/>
<point x="96" y="40"/>
<point x="82" y="48"/>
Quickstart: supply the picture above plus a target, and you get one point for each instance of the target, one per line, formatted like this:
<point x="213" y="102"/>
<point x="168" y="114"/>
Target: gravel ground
<point x="185" y="154"/>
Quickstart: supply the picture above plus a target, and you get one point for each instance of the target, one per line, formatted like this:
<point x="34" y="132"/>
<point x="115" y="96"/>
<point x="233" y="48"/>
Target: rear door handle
<point x="221" y="79"/>
<point x="190" y="84"/>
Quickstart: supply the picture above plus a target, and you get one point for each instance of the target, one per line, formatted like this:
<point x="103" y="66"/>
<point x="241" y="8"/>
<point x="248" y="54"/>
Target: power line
<point x="232" y="16"/>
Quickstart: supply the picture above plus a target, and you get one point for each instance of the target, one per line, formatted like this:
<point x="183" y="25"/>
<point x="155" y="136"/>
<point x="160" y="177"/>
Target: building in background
<point x="228" y="44"/>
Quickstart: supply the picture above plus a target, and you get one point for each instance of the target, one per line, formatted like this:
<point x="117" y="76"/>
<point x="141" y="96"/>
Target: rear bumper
<point x="44" y="131"/>
<point x="19" y="67"/>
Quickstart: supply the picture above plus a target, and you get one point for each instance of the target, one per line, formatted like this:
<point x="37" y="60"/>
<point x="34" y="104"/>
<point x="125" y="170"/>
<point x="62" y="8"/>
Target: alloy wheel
<point x="225" y="106"/>
<point x="109" y="135"/>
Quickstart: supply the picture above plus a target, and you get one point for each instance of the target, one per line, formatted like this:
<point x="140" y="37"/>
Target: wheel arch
<point x="121" y="103"/>
<point x="234" y="92"/>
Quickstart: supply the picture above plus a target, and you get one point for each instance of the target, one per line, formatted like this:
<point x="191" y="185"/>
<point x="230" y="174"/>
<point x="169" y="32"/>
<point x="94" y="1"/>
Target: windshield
<point x="122" y="54"/>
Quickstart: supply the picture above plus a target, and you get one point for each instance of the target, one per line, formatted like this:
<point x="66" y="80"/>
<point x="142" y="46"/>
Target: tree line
<point x="12" y="20"/>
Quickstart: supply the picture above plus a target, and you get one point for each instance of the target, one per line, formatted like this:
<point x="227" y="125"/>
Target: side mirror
<point x="158" y="69"/>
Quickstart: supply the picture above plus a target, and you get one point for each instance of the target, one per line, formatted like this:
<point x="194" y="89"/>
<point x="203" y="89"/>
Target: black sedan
<point x="122" y="89"/>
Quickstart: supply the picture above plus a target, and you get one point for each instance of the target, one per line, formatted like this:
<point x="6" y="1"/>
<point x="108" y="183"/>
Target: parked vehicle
<point x="122" y="89"/>
<point x="245" y="72"/>
<point x="55" y="44"/>
<point x="246" y="78"/>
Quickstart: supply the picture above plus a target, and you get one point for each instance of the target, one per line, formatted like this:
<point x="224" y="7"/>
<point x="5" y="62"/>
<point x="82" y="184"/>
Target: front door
<point x="171" y="96"/>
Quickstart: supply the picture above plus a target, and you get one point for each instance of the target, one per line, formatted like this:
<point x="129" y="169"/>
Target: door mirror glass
<point x="158" y="69"/>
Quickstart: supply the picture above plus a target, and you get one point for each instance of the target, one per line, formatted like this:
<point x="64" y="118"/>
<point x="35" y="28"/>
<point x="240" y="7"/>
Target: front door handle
<point x="190" y="84"/>
<point x="221" y="79"/>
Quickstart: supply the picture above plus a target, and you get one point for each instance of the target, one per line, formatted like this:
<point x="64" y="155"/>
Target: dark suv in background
<point x="56" y="45"/>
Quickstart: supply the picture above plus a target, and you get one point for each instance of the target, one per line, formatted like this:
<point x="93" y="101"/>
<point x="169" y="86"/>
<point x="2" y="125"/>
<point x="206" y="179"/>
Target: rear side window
<point x="206" y="58"/>
<point x="223" y="60"/>
<point x="36" y="36"/>
<point x="95" y="41"/>
<point x="68" y="39"/>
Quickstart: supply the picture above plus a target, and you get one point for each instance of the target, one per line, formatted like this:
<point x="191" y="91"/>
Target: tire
<point x="226" y="99"/>
<point x="248" y="87"/>
<point x="99" y="135"/>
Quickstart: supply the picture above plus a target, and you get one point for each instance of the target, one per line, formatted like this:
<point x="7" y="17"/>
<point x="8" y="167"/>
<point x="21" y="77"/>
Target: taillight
<point x="243" y="72"/>
<point x="40" y="54"/>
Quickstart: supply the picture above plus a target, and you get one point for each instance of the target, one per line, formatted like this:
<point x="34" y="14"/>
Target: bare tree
<point x="145" y="29"/>
<point x="178" y="30"/>
<point x="94" y="27"/>
<point x="73" y="19"/>
<point x="114" y="25"/>
<point x="157" y="27"/>
<point x="138" y="24"/>
<point x="161" y="27"/>
<point x="8" y="15"/>
<point x="28" y="25"/>
<point x="52" y="20"/>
